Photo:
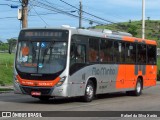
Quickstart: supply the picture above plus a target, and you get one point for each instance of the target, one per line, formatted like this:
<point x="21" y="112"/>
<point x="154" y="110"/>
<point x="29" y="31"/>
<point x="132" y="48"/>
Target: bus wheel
<point x="89" y="92"/>
<point x="138" y="89"/>
<point x="44" y="98"/>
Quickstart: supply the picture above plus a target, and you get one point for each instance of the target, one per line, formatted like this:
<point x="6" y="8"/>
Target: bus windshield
<point x="41" y="57"/>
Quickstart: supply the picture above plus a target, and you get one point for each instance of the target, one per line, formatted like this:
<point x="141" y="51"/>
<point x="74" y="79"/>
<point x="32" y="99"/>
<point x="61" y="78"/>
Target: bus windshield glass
<point x="41" y="57"/>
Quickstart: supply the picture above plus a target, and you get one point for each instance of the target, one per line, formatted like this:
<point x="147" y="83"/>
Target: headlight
<point x="61" y="81"/>
<point x="15" y="79"/>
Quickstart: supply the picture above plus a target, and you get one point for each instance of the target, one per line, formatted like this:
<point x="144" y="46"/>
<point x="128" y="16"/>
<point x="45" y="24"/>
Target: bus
<point x="72" y="62"/>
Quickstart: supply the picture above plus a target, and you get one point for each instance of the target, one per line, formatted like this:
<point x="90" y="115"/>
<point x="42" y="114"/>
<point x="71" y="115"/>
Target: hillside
<point x="134" y="27"/>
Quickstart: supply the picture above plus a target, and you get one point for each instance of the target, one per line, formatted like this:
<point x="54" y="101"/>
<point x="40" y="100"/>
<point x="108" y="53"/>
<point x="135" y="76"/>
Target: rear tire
<point x="138" y="89"/>
<point x="89" y="92"/>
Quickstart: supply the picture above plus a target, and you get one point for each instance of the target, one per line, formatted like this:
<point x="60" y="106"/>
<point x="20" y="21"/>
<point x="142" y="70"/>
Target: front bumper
<point x="44" y="91"/>
<point x="54" y="91"/>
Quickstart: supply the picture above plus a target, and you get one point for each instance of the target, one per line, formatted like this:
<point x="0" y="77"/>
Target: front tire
<point x="89" y="92"/>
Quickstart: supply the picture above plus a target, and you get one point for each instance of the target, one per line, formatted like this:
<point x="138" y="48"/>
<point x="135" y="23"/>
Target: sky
<point x="43" y="13"/>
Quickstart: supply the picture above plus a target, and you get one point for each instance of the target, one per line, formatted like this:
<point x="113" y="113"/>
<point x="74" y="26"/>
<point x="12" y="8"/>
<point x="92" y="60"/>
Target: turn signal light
<point x="61" y="81"/>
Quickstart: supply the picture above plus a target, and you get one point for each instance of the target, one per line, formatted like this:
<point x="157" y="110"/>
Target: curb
<point x="6" y="89"/>
<point x="2" y="92"/>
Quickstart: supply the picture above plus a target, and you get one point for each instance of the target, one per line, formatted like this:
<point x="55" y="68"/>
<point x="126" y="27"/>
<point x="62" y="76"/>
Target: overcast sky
<point x="109" y="10"/>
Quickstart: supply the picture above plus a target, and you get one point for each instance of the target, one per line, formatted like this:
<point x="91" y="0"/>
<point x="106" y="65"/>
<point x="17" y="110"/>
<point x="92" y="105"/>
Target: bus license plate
<point x="35" y="93"/>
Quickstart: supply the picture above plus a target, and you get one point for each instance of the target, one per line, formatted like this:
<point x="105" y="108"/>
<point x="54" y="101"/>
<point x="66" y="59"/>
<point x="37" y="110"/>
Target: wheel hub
<point x="89" y="91"/>
<point x="138" y="87"/>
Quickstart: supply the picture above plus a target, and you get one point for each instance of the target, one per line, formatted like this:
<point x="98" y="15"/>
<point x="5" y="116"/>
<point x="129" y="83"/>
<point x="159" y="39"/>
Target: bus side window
<point x="106" y="52"/>
<point x="151" y="54"/>
<point x="77" y="54"/>
<point x="93" y="50"/>
<point x="72" y="54"/>
<point x="141" y="54"/>
<point x="119" y="52"/>
<point x="80" y="54"/>
<point x="130" y="53"/>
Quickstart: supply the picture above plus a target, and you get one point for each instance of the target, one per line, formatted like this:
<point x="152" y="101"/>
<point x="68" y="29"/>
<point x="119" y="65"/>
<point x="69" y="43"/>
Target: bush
<point x="158" y="75"/>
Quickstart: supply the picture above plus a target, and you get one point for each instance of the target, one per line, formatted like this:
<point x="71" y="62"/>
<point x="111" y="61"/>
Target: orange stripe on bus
<point x="132" y="39"/>
<point x="151" y="42"/>
<point x="38" y="83"/>
<point x="129" y="39"/>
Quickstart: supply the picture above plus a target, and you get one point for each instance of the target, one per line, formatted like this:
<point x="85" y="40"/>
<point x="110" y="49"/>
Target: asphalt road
<point x="148" y="101"/>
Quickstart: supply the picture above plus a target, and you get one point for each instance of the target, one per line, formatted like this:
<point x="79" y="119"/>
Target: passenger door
<point x="77" y="62"/>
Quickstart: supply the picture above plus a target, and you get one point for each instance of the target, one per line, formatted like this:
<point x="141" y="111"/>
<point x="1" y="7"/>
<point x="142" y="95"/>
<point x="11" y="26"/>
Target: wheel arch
<point x="94" y="80"/>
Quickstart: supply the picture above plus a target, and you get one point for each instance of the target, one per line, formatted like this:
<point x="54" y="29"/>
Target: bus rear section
<point x="140" y="64"/>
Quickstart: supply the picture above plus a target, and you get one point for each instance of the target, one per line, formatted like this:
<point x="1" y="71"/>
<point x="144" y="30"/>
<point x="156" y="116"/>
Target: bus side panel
<point x="105" y="76"/>
<point x="151" y="75"/>
<point x="125" y="77"/>
<point x="131" y="77"/>
<point x="120" y="77"/>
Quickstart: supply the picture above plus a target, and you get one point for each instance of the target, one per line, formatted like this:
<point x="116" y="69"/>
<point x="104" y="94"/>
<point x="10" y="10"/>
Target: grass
<point x="5" y="89"/>
<point x="158" y="64"/>
<point x="6" y="68"/>
<point x="158" y="72"/>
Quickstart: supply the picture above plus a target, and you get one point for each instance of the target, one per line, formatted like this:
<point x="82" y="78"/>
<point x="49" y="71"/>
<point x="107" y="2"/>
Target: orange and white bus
<point x="69" y="62"/>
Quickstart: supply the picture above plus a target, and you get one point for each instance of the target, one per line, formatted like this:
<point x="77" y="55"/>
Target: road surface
<point x="148" y="101"/>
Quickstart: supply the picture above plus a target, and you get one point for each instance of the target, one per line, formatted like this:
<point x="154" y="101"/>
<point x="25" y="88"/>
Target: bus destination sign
<point x="43" y="33"/>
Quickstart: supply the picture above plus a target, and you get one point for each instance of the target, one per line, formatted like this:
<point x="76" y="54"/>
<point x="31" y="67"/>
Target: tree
<point x="3" y="46"/>
<point x="1" y="42"/>
<point x="12" y="43"/>
<point x="132" y="29"/>
<point x="91" y="23"/>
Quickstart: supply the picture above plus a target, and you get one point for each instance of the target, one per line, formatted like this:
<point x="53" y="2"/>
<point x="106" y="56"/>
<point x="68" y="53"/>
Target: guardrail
<point x="6" y="51"/>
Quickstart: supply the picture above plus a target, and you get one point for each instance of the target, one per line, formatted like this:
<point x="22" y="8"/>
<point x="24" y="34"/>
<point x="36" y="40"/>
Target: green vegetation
<point x="5" y="89"/>
<point x="6" y="62"/>
<point x="5" y="46"/>
<point x="6" y="68"/>
<point x="158" y="64"/>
